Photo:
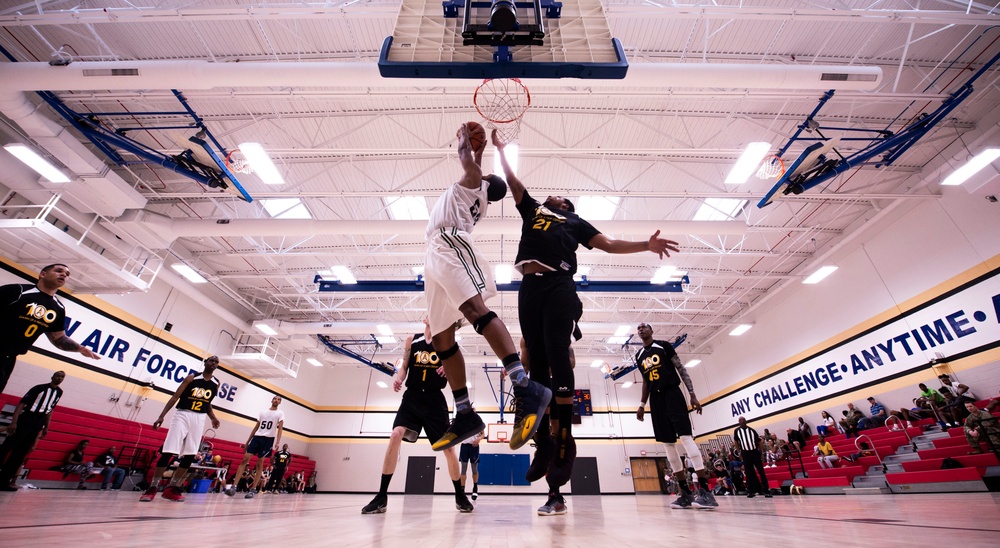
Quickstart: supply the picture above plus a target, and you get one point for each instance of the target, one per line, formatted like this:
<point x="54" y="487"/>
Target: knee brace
<point x="465" y="467"/>
<point x="164" y="460"/>
<point x="186" y="461"/>
<point x="693" y="452"/>
<point x="475" y="470"/>
<point x="674" y="459"/>
<point x="484" y="320"/>
<point x="445" y="354"/>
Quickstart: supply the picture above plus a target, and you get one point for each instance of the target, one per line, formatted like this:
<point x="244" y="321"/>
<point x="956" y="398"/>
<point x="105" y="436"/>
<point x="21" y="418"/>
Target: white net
<point x="771" y="168"/>
<point x="502" y="102"/>
<point x="237" y="163"/>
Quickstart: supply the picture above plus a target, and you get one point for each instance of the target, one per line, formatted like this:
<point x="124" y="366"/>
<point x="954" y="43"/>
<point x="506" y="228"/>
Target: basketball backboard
<point x="426" y="43"/>
<point x="815" y="160"/>
<point x="499" y="432"/>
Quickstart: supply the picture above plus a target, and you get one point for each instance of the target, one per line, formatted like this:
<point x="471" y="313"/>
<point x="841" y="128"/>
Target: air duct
<point x="158" y="231"/>
<point x="190" y="75"/>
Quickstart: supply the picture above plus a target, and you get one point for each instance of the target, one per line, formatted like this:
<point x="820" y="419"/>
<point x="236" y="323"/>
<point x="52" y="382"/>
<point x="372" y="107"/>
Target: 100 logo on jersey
<point x="35" y="313"/>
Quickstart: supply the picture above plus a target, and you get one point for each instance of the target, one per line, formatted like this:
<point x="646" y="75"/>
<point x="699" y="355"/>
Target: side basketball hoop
<point x="237" y="162"/>
<point x="771" y="168"/>
<point x="499" y="432"/>
<point x="502" y="102"/>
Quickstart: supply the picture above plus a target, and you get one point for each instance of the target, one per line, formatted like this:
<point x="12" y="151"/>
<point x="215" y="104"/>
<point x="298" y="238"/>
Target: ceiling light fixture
<point x="820" y="274"/>
<point x="344" y="275"/>
<point x="261" y="163"/>
<point x="267" y="327"/>
<point x="191" y="274"/>
<point x="740" y="329"/>
<point x="692" y="363"/>
<point x="36" y="162"/>
<point x="748" y="163"/>
<point x="976" y="163"/>
<point x="314" y="361"/>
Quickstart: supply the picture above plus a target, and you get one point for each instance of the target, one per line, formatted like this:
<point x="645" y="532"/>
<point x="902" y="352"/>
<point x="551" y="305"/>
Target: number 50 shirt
<point x="267" y="424"/>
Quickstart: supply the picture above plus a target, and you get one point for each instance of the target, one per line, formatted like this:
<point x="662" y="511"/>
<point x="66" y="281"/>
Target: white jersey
<point x="459" y="207"/>
<point x="268" y="423"/>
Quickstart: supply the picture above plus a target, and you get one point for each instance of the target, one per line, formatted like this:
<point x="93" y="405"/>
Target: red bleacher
<point x="68" y="426"/>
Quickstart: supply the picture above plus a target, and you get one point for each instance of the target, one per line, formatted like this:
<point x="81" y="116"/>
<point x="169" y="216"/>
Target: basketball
<point x="477" y="135"/>
<point x="217" y="459"/>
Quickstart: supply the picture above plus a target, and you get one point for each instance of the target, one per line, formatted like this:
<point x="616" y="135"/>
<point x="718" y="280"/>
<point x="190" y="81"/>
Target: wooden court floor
<point x="109" y="519"/>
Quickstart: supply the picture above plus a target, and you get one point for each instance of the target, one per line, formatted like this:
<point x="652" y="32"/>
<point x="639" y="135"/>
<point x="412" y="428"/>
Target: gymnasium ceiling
<point x="346" y="148"/>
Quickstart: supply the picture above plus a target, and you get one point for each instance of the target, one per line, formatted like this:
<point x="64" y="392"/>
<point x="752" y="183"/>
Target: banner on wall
<point x="960" y="321"/>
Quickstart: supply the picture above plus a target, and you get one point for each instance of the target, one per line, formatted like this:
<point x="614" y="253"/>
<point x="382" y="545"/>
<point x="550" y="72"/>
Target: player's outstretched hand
<point x="397" y="384"/>
<point x="495" y="139"/>
<point x="463" y="138"/>
<point x="660" y="245"/>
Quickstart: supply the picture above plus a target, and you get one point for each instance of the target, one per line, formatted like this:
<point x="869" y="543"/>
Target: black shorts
<point x="468" y="453"/>
<point x="423" y="409"/>
<point x="261" y="446"/>
<point x="7" y="362"/>
<point x="669" y="411"/>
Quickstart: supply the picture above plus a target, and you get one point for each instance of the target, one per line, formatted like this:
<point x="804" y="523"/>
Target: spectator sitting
<point x="878" y="416"/>
<point x="804" y="429"/>
<point x="75" y="465"/>
<point x="725" y="485"/>
<point x="776" y="451"/>
<point x="936" y="403"/>
<point x="978" y="423"/>
<point x="865" y="451"/>
<point x="108" y="464"/>
<point x="829" y="425"/>
<point x="311" y="485"/>
<point x="849" y="424"/>
<point x="795" y="438"/>
<point x="960" y="395"/>
<point x="826" y="456"/>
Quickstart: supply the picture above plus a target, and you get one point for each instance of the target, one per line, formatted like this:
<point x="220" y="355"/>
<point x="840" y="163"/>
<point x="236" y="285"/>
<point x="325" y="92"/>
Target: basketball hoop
<point x="237" y="162"/>
<point x="206" y="441"/>
<point x="771" y="168"/>
<point x="502" y="102"/>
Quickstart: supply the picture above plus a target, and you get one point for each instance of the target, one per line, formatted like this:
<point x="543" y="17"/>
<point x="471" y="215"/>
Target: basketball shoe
<point x="463" y="427"/>
<point x="545" y="449"/>
<point x="149" y="495"/>
<point x="173" y="493"/>
<point x="561" y="469"/>
<point x="530" y="403"/>
<point x="555" y="506"/>
<point x="377" y="505"/>
<point x="683" y="502"/>
<point x="705" y="501"/>
<point x="463" y="504"/>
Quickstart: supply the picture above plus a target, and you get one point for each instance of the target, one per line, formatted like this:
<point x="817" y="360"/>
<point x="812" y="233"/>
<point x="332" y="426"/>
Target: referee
<point x="750" y="449"/>
<point x="31" y="418"/>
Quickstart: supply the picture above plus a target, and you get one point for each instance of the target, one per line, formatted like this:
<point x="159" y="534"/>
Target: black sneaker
<point x="461" y="502"/>
<point x="530" y="403"/>
<point x="683" y="502"/>
<point x="377" y="505"/>
<point x="463" y="427"/>
<point x="555" y="506"/>
<point x="545" y="450"/>
<point x="561" y="469"/>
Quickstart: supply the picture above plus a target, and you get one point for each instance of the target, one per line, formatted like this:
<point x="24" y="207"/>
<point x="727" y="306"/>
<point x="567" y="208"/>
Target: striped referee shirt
<point x="747" y="438"/>
<point x="41" y="399"/>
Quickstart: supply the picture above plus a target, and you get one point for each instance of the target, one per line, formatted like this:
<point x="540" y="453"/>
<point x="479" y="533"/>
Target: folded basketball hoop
<point x="502" y="102"/>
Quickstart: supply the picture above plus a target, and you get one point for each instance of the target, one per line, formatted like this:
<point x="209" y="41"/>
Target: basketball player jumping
<point x="662" y="374"/>
<point x="457" y="284"/>
<point x="264" y="440"/>
<point x="548" y="308"/>
<point x="194" y="400"/>
<point x="423" y="407"/>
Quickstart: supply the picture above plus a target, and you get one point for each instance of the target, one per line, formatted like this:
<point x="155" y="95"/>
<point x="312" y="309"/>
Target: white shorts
<point x="454" y="272"/>
<point x="184" y="436"/>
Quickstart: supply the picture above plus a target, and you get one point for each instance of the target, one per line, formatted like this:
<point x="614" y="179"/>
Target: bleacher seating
<point x="138" y="445"/>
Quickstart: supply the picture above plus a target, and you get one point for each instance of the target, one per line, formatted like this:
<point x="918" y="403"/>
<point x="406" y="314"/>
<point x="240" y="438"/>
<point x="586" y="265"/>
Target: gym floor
<point x="110" y="519"/>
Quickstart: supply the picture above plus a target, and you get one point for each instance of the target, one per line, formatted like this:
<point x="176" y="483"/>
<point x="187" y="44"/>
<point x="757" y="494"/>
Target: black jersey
<point x="281" y="458"/>
<point x="657" y="366"/>
<point x="551" y="237"/>
<point x="422" y="365"/>
<point x="198" y="395"/>
<point x="25" y="313"/>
